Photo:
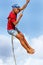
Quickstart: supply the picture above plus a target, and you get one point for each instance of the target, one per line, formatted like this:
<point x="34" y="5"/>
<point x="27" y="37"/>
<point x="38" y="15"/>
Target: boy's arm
<point x="25" y="5"/>
<point x="17" y="21"/>
<point x="22" y="8"/>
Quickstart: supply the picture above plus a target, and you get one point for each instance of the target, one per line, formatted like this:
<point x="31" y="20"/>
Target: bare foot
<point x="31" y="51"/>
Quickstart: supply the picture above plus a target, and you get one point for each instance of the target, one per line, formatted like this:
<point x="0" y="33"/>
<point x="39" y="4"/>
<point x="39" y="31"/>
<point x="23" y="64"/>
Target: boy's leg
<point x="26" y="42"/>
<point x="21" y="38"/>
<point x="22" y="41"/>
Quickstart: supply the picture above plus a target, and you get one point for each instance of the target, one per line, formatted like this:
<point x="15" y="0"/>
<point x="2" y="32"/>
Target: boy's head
<point x="16" y="8"/>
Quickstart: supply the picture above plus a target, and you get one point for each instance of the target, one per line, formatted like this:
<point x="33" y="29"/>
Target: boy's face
<point x="16" y="10"/>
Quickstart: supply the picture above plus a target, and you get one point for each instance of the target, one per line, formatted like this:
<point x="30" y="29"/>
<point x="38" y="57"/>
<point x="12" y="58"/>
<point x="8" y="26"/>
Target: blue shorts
<point x="13" y="32"/>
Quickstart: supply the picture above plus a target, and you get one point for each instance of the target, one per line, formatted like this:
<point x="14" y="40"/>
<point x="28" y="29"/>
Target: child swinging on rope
<point x="13" y="21"/>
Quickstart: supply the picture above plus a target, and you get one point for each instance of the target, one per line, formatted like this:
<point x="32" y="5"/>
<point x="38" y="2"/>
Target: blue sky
<point x="32" y="20"/>
<point x="31" y="25"/>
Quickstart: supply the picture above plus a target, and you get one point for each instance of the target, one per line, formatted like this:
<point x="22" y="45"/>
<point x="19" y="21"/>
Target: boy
<point x="13" y="21"/>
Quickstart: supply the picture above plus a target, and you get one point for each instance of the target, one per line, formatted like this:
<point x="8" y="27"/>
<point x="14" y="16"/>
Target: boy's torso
<point x="11" y="18"/>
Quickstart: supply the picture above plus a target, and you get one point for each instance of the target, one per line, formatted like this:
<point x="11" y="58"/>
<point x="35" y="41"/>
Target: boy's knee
<point x="22" y="37"/>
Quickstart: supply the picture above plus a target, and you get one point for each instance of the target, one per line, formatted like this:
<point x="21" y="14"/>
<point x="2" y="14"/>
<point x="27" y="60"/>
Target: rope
<point x="13" y="50"/>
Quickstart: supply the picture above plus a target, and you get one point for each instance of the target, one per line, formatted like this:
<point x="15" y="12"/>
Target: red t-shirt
<point x="11" y="18"/>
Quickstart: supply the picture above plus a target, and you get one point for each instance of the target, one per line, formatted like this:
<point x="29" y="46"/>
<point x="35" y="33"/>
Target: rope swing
<point x="13" y="50"/>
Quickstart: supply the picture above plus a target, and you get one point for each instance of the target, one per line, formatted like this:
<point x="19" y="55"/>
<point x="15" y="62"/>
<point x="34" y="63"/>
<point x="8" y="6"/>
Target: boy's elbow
<point x="14" y="23"/>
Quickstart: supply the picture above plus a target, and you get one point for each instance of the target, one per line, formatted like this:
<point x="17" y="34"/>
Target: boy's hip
<point x="13" y="31"/>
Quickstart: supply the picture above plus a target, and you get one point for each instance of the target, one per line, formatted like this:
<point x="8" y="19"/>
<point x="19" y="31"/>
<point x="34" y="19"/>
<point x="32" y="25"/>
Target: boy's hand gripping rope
<point x="13" y="49"/>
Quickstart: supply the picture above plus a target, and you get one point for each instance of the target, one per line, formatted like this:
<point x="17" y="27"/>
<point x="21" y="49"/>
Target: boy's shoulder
<point x="12" y="15"/>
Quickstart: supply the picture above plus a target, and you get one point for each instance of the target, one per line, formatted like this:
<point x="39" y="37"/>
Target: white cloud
<point x="6" y="47"/>
<point x="1" y="62"/>
<point x="21" y="56"/>
<point x="29" y="61"/>
<point x="9" y="61"/>
<point x="37" y="43"/>
<point x="4" y="40"/>
<point x="34" y="61"/>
